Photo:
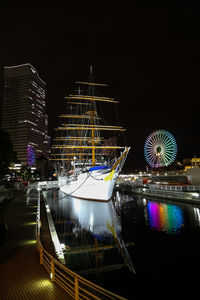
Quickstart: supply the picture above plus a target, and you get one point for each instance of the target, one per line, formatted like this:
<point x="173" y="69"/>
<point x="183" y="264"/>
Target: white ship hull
<point x="93" y="185"/>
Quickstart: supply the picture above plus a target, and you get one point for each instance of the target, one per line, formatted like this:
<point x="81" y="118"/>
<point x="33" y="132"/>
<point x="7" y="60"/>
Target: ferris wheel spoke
<point x="151" y="157"/>
<point x="155" y="137"/>
<point x="168" y="157"/>
<point x="152" y="141"/>
<point x="169" y="145"/>
<point x="154" y="160"/>
<point x="166" y="161"/>
<point x="163" y="161"/>
<point x="171" y="151"/>
<point x="165" y="137"/>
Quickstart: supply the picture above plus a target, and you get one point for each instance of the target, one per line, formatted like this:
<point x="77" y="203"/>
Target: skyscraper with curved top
<point x="24" y="112"/>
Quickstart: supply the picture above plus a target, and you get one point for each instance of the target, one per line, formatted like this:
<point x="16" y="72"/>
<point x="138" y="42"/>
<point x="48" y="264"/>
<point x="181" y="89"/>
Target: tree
<point x="7" y="154"/>
<point x="44" y="167"/>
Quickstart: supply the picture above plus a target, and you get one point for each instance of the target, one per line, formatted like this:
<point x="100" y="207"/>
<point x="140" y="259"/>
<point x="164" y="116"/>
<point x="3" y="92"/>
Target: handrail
<point x="75" y="285"/>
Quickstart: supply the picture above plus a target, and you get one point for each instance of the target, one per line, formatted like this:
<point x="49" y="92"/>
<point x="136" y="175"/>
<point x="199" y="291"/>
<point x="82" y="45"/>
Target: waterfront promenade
<point x="21" y="275"/>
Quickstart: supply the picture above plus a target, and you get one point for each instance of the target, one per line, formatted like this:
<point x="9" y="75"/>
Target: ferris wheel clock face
<point x="160" y="149"/>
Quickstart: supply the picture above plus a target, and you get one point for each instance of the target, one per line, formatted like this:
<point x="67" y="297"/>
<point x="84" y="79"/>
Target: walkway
<point x="21" y="275"/>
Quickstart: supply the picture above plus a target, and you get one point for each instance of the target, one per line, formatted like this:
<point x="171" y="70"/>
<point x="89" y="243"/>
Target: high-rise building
<point x="23" y="112"/>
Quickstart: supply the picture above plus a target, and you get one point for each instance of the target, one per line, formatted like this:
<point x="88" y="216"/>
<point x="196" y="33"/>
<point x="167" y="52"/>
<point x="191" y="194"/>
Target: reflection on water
<point x="92" y="230"/>
<point x="98" y="218"/>
<point x="197" y="215"/>
<point x="99" y="235"/>
<point x="164" y="217"/>
<point x="76" y="215"/>
<point x="171" y="218"/>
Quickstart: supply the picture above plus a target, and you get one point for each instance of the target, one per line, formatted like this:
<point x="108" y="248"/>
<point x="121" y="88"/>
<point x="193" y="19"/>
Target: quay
<point x="185" y="193"/>
<point x="29" y="266"/>
<point x="21" y="275"/>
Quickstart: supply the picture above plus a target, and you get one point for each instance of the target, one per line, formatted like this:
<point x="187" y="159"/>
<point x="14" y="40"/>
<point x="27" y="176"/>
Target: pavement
<point x="21" y="275"/>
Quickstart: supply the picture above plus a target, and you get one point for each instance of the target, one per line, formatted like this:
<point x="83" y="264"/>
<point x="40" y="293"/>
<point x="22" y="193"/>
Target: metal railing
<point x="167" y="187"/>
<point x="178" y="188"/>
<point x="48" y="184"/>
<point x="75" y="285"/>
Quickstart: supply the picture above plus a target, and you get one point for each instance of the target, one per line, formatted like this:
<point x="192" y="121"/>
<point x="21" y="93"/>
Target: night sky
<point x="148" y="54"/>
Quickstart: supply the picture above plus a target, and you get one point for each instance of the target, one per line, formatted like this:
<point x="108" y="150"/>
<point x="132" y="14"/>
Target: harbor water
<point x="134" y="246"/>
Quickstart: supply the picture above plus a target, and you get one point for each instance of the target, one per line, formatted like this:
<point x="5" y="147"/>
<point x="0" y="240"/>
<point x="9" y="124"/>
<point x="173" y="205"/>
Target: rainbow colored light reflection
<point x="165" y="217"/>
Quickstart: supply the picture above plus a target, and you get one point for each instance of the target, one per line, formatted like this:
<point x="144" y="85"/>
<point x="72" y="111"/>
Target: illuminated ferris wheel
<point x="160" y="149"/>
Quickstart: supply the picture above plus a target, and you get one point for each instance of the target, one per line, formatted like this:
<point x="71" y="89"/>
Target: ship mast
<point x="92" y="112"/>
<point x="83" y="127"/>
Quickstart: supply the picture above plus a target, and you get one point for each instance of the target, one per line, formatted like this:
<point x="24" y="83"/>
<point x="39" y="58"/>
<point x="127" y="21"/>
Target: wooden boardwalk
<point x="21" y="275"/>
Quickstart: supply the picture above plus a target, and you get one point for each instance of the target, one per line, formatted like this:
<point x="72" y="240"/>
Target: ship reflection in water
<point x="92" y="231"/>
<point x="106" y="239"/>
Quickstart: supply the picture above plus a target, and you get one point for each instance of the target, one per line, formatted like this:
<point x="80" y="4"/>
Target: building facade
<point x="24" y="113"/>
<point x="191" y="162"/>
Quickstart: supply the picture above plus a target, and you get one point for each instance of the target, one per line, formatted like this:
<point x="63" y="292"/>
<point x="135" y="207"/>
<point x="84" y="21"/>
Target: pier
<point x="21" y="275"/>
<point x="185" y="192"/>
<point x="30" y="268"/>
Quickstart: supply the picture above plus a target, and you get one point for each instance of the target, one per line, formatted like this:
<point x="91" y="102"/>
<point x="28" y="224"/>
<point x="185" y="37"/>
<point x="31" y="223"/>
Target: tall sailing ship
<point x="87" y="163"/>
